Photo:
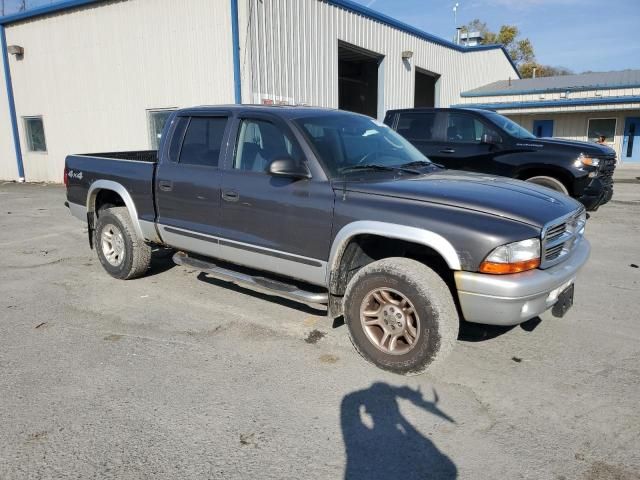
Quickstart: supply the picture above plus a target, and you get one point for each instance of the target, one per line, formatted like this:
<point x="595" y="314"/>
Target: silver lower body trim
<point x="78" y="211"/>
<point x="301" y="268"/>
<point x="513" y="299"/>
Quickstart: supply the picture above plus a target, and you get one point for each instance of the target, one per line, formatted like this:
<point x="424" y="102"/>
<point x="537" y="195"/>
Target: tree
<point x="519" y="49"/>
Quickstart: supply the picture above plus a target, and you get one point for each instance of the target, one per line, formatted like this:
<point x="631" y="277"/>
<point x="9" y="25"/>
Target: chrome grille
<point x="555" y="232"/>
<point x="560" y="237"/>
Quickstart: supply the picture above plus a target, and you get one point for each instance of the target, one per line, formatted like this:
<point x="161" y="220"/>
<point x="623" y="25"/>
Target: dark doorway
<point x="425" y="92"/>
<point x="358" y="72"/>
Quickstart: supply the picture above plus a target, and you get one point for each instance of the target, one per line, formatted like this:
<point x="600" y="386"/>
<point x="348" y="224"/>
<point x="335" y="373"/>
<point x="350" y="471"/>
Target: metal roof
<point x="345" y="4"/>
<point x="565" y="102"/>
<point x="561" y="83"/>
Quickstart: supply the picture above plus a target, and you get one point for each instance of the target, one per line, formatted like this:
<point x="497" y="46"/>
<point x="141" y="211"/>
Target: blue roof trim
<point x="552" y="103"/>
<point x="235" y="40"/>
<point x="12" y="104"/>
<point x="405" y="27"/>
<point x="37" y="12"/>
<point x="498" y="93"/>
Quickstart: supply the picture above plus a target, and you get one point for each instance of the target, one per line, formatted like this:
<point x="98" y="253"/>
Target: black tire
<point x="136" y="255"/>
<point x="549" y="182"/>
<point x="431" y="300"/>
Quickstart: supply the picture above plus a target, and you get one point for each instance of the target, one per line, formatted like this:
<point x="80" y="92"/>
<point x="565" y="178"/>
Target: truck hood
<point x="584" y="147"/>
<point x="504" y="197"/>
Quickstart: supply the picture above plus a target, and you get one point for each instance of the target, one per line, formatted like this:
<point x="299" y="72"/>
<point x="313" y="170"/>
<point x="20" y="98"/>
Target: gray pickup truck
<point x="329" y="207"/>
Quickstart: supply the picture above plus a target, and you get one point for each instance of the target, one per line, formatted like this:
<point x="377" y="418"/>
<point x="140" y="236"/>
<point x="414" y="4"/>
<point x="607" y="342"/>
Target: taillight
<point x="65" y="180"/>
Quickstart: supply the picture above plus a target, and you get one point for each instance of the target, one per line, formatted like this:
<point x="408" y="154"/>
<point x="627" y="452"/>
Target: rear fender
<point x="99" y="185"/>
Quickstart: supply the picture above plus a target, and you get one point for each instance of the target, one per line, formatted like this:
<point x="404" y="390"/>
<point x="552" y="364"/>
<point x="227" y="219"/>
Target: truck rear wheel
<point x="401" y="315"/>
<point x="121" y="252"/>
<point x="549" y="182"/>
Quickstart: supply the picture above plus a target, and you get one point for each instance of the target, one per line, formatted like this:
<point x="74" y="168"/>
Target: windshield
<point x="509" y="126"/>
<point x="343" y="141"/>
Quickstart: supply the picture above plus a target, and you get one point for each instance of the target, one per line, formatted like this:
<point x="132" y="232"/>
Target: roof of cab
<point x="286" y="111"/>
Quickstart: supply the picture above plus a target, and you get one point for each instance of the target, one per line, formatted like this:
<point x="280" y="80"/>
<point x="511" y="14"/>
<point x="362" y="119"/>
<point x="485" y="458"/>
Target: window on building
<point x="203" y="141"/>
<point x="157" y="121"/>
<point x="417" y="126"/>
<point x="260" y="142"/>
<point x="602" y="130"/>
<point x="34" y="129"/>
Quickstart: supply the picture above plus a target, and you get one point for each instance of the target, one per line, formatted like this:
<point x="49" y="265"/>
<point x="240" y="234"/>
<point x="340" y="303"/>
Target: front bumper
<point x="513" y="299"/>
<point x="597" y="193"/>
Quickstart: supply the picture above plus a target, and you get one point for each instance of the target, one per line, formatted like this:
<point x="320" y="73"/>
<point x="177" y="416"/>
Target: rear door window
<point x="417" y="126"/>
<point x="202" y="142"/>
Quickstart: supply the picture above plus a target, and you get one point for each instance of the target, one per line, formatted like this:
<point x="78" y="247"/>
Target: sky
<point x="581" y="35"/>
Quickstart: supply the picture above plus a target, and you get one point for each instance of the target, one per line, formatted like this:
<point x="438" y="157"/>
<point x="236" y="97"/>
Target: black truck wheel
<point x="401" y="315"/>
<point x="121" y="252"/>
<point x="549" y="182"/>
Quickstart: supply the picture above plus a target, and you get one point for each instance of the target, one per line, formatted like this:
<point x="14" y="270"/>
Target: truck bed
<point x="134" y="170"/>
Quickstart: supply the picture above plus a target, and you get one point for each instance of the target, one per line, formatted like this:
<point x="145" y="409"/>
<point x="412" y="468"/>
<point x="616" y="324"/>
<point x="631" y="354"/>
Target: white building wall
<point x="8" y="165"/>
<point x="290" y="54"/>
<point x="92" y="74"/>
<point x="574" y="125"/>
<point x="546" y="96"/>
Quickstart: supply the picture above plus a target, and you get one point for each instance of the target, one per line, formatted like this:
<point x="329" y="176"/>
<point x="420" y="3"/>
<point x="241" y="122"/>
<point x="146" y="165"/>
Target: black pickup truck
<point x="484" y="141"/>
<point x="329" y="207"/>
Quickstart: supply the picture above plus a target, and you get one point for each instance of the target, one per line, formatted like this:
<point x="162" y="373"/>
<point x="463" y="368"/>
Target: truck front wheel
<point x="121" y="252"/>
<point x="549" y="182"/>
<point x="401" y="315"/>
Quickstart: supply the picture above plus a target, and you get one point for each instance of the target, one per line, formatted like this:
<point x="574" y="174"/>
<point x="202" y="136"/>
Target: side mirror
<point x="288" y="167"/>
<point x="490" y="139"/>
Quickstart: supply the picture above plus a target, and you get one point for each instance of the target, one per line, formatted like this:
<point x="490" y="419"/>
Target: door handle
<point x="165" y="185"/>
<point x="448" y="150"/>
<point x="230" y="196"/>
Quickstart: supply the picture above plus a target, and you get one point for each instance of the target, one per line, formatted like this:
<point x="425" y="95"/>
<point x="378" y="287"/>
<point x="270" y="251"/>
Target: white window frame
<point x="615" y="127"/>
<point x="150" y="129"/>
<point x="27" y="135"/>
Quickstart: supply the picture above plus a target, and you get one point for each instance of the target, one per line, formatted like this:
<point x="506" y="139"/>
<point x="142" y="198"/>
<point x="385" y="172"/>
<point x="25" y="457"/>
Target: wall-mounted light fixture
<point x="407" y="54"/>
<point x="16" y="50"/>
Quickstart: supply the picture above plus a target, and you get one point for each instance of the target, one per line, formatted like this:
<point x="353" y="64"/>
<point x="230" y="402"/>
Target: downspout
<point x="235" y="33"/>
<point x="12" y="105"/>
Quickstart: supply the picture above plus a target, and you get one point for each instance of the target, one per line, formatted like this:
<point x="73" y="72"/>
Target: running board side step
<point x="259" y="284"/>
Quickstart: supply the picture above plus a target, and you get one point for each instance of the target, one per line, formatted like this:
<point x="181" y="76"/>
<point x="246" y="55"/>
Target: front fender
<point x="390" y="230"/>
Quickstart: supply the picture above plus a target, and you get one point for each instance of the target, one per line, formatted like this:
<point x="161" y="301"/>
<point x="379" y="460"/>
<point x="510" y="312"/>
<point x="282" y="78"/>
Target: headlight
<point x="582" y="222"/>
<point x="587" y="161"/>
<point x="513" y="258"/>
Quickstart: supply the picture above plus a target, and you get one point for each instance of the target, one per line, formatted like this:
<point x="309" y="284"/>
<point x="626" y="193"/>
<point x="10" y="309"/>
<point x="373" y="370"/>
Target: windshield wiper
<point x="421" y="163"/>
<point x="380" y="168"/>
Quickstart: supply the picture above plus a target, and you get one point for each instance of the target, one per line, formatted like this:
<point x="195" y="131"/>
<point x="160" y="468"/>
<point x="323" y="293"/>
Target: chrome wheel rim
<point x="113" y="247"/>
<point x="390" y="321"/>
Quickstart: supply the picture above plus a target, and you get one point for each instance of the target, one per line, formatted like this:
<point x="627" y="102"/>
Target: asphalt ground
<point x="177" y="376"/>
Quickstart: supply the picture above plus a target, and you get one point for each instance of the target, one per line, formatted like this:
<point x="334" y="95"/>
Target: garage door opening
<point x="359" y="80"/>
<point x="426" y="88"/>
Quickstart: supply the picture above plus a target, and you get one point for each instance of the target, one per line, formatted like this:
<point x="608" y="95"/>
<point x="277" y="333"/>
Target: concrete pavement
<point x="177" y="376"/>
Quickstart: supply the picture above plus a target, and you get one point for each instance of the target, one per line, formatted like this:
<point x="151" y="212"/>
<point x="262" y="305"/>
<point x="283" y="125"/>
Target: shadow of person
<point x="381" y="444"/>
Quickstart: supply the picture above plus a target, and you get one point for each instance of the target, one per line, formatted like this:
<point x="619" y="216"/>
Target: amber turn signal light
<point x="505" y="268"/>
